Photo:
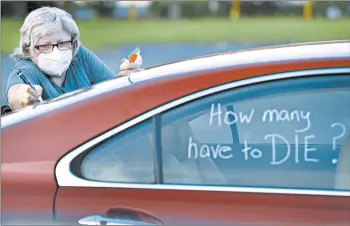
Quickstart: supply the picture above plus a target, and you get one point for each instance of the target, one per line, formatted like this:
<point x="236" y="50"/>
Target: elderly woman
<point x="52" y="59"/>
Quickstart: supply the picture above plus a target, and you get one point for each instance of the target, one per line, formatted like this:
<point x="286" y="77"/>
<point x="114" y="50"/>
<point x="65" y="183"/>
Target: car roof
<point x="272" y="54"/>
<point x="281" y="47"/>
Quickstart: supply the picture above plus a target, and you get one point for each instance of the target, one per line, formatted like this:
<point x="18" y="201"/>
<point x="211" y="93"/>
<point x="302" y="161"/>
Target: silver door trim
<point x="65" y="178"/>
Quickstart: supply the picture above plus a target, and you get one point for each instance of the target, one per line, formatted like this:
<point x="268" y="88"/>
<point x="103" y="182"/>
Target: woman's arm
<point x="20" y="94"/>
<point x="98" y="70"/>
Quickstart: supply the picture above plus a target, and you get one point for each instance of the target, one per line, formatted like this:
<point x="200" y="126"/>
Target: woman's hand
<point x="127" y="68"/>
<point x="22" y="95"/>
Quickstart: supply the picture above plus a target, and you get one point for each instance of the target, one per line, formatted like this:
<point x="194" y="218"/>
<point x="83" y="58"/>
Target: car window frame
<point x="65" y="178"/>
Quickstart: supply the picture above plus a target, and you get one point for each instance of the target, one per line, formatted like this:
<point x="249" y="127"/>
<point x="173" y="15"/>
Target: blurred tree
<point x="159" y="9"/>
<point x="190" y="9"/>
<point x="20" y="9"/>
<point x="68" y="6"/>
<point x="32" y="5"/>
<point x="258" y="8"/>
<point x="224" y="8"/>
<point x="14" y="9"/>
<point x="321" y="7"/>
<point x="105" y="8"/>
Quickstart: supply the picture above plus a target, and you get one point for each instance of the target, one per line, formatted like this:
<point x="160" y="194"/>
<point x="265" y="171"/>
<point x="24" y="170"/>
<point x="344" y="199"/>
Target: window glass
<point x="285" y="134"/>
<point x="213" y="134"/>
<point x="126" y="157"/>
<point x="294" y="113"/>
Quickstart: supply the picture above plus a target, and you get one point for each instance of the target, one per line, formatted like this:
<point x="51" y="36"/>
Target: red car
<point x="255" y="137"/>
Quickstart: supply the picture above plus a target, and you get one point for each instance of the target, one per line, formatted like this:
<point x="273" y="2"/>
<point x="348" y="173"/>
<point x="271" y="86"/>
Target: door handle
<point x="100" y="220"/>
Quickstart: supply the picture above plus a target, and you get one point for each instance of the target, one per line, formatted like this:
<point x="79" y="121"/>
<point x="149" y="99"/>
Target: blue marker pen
<point x="20" y="74"/>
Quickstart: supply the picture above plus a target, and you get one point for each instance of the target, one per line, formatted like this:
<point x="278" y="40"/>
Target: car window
<point x="285" y="134"/>
<point x="301" y="112"/>
<point x="206" y="133"/>
<point x="125" y="157"/>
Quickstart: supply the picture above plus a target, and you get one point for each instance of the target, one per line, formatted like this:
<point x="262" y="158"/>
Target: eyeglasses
<point x="49" y="47"/>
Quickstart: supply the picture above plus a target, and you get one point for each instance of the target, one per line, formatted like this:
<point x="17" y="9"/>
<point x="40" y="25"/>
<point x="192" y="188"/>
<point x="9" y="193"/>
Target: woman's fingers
<point x="29" y="90"/>
<point x="126" y="65"/>
<point x="29" y="95"/>
<point x="24" y="102"/>
<point x="126" y="68"/>
<point x="128" y="72"/>
<point x="133" y="66"/>
<point x="22" y="95"/>
<point x="33" y="99"/>
<point x="122" y="61"/>
<point x="124" y="73"/>
<point x="39" y="90"/>
<point x="129" y="66"/>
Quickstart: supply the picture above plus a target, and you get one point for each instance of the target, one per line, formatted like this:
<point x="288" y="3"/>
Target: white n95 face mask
<point x="56" y="62"/>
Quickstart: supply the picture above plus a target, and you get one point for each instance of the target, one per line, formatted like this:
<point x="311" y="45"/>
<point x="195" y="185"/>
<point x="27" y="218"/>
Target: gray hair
<point x="41" y="22"/>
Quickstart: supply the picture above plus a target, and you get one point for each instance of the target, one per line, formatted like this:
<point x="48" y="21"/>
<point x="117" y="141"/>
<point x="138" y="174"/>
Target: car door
<point x="260" y="151"/>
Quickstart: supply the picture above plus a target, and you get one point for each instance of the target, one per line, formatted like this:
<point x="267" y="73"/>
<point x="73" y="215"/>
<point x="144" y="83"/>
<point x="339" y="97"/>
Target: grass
<point x="102" y="33"/>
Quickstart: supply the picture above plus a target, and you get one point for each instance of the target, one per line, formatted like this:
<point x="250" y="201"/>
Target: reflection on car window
<point x="302" y="112"/>
<point x="126" y="157"/>
<point x="285" y="134"/>
<point x="206" y="133"/>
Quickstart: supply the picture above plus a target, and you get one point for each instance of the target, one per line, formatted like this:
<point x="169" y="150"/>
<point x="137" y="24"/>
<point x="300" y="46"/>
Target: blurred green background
<point x="109" y="23"/>
<point x="169" y="31"/>
<point x="99" y="34"/>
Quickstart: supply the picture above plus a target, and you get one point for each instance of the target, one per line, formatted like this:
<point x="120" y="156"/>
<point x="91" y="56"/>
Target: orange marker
<point x="133" y="55"/>
<point x="133" y="58"/>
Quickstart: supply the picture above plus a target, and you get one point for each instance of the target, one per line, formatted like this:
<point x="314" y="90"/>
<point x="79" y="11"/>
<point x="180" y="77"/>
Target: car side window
<point x="284" y="134"/>
<point x="126" y="157"/>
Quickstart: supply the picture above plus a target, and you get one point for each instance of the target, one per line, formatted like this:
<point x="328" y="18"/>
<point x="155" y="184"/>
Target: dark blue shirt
<point x="86" y="69"/>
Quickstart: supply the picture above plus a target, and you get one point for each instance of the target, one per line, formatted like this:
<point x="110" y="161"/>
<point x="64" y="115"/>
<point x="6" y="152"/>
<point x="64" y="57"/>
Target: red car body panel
<point x="206" y="207"/>
<point x="32" y="148"/>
